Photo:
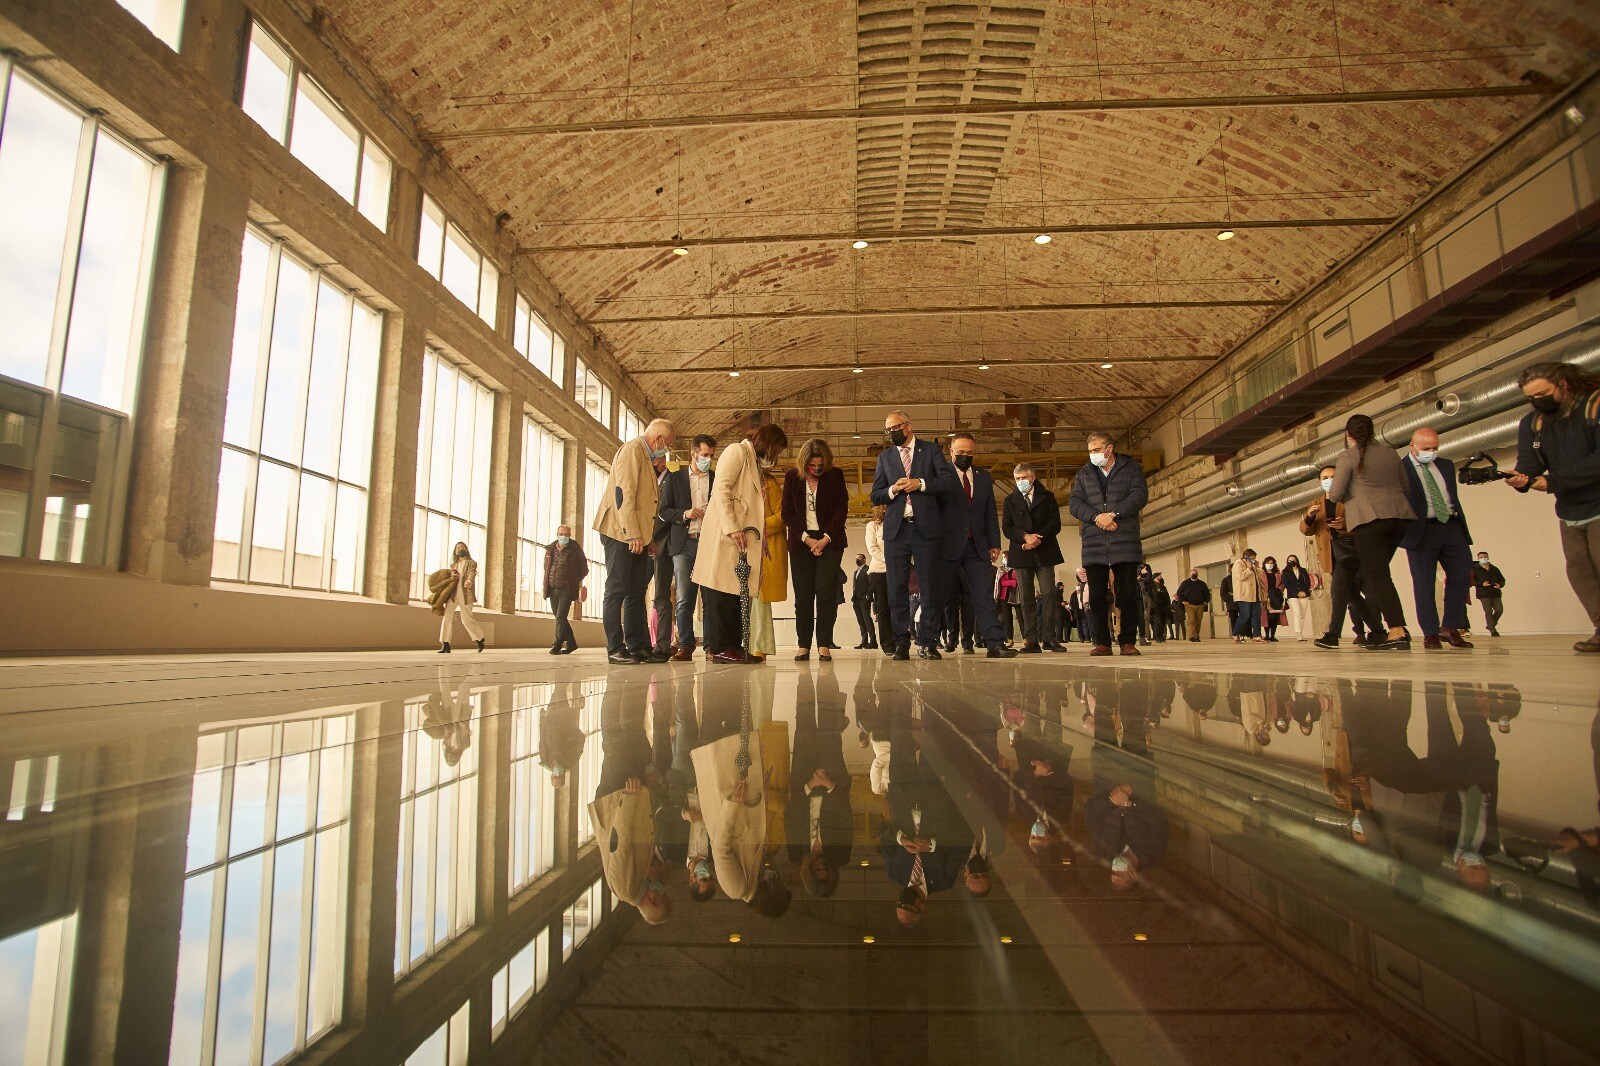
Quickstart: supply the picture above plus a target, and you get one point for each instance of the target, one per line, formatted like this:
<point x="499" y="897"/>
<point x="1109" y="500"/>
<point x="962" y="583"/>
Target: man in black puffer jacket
<point x="1107" y="496"/>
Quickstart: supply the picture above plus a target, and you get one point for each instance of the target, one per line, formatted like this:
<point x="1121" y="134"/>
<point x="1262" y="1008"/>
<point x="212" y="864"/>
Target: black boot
<point x="444" y="649"/>
<point x="480" y="643"/>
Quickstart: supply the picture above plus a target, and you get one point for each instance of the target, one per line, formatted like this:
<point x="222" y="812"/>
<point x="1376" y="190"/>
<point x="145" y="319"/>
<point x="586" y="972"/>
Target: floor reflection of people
<point x="561" y="736"/>
<point x="1127" y="829"/>
<point x="681" y="833"/>
<point x="960" y="744"/>
<point x="447" y="717"/>
<point x="623" y="811"/>
<point x="925" y="842"/>
<point x="873" y="726"/>
<point x="732" y="793"/>
<point x="1421" y="811"/>
<point x="819" y="819"/>
<point x="1044" y="783"/>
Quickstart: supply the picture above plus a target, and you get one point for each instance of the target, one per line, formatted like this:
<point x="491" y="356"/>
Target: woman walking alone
<point x="1371" y="484"/>
<point x="815" y="503"/>
<point x="462" y="599"/>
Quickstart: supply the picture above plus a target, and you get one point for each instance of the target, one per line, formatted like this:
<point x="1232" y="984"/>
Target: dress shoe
<point x="824" y="656"/>
<point x="683" y="655"/>
<point x="754" y="657"/>
<point x="902" y="653"/>
<point x="802" y="655"/>
<point x="1030" y="648"/>
<point x="555" y="649"/>
<point x="1000" y="651"/>
<point x="730" y="657"/>
<point x="1326" y="641"/>
<point x="569" y="649"/>
<point x="861" y="647"/>
<point x="480" y="644"/>
<point x="623" y="658"/>
<point x="1131" y="649"/>
<point x="888" y="651"/>
<point x="928" y="653"/>
<point x="950" y="646"/>
<point x="1454" y="638"/>
<point x="1589" y="646"/>
<point x="1054" y="647"/>
<point x="444" y="649"/>
<point x="1494" y="632"/>
<point x="1100" y="649"/>
<point x="1145" y="642"/>
<point x="1401" y="643"/>
<point x="967" y="649"/>
<point x="1431" y="642"/>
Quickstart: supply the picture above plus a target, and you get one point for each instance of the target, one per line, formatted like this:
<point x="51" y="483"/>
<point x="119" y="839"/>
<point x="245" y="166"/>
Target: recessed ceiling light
<point x="858" y="245"/>
<point x="1106" y="366"/>
<point x="857" y="370"/>
<point x="733" y="373"/>
<point x="1225" y="235"/>
<point x="734" y="938"/>
<point x="983" y="366"/>
<point x="1043" y="238"/>
<point x="680" y="250"/>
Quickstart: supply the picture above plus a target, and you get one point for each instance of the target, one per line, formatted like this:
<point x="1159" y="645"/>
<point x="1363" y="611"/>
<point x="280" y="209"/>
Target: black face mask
<point x="963" y="462"/>
<point x="1545" y="405"/>
<point x="897" y="437"/>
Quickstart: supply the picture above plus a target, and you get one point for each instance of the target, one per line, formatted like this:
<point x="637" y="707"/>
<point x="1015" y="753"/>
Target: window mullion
<point x="331" y="517"/>
<point x="289" y="105"/>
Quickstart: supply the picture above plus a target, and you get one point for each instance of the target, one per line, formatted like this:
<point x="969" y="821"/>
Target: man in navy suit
<point x="972" y="540"/>
<point x="925" y="842"/>
<point x="1437" y="539"/>
<point x="911" y="476"/>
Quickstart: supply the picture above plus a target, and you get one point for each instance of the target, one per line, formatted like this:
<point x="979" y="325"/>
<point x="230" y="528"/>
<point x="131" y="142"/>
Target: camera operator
<point x="1558" y="451"/>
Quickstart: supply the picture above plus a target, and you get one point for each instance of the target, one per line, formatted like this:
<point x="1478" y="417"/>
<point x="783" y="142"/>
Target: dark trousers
<point x="1376" y="542"/>
<point x="1127" y="575"/>
<point x="880" y="609"/>
<point x="1444" y="545"/>
<point x="864" y="622"/>
<point x="957" y="622"/>
<point x="724" y="627"/>
<point x="1038" y="603"/>
<point x="981" y="620"/>
<point x="662" y="600"/>
<point x="622" y="612"/>
<point x="1008" y="622"/>
<point x="908" y="548"/>
<point x="561" y="607"/>
<point x="1347" y="596"/>
<point x="1492" y="610"/>
<point x="816" y="581"/>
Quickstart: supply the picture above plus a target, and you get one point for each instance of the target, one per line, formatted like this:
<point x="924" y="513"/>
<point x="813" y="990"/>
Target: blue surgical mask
<point x="702" y="870"/>
<point x="564" y="541"/>
<point x="1024" y="485"/>
<point x="1427" y="456"/>
<point x="1099" y="458"/>
<point x="1327" y="484"/>
<point x="1039" y="828"/>
<point x="702" y="463"/>
<point x="1119" y="865"/>
<point x="1483" y="560"/>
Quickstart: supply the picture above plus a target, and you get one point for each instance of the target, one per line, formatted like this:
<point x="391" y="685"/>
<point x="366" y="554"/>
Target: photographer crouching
<point x="1558" y="451"/>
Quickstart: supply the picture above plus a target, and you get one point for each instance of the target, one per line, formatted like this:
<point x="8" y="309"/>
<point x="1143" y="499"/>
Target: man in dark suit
<point x="818" y="818"/>
<point x="1032" y="523"/>
<point x="1438" y="539"/>
<point x="925" y="842"/>
<point x="911" y="476"/>
<point x="972" y="542"/>
<point x="861" y="600"/>
<point x="685" y="494"/>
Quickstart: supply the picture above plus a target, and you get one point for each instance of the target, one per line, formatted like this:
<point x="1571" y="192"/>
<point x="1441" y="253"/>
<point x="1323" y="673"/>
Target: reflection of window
<point x="436" y="880"/>
<point x="544" y="468"/>
<point x="533" y="797"/>
<point x="592" y="394"/>
<point x="265" y="898"/>
<point x="34" y="783"/>
<point x="629" y="425"/>
<point x="36" y="976"/>
<point x="290" y="105"/>
<point x="163" y="17"/>
<point x="517" y="982"/>
<point x="595" y="477"/>
<point x="446" y="253"/>
<point x="75" y="257"/>
<point x="297" y="454"/>
<point x="592" y="692"/>
<point x="448" y="1044"/>
<point x="452" y="470"/>
<point x="580" y="919"/>
<point x="538" y="343"/>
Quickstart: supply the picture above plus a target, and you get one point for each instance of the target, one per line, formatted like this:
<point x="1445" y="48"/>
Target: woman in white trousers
<point x="465" y="596"/>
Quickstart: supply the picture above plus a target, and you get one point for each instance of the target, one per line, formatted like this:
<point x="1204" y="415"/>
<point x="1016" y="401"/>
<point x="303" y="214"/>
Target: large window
<point x="265" y="892"/>
<point x="302" y="117"/>
<point x="595" y="477"/>
<point x="452" y="469"/>
<point x="533" y="795"/>
<point x="297" y="433"/>
<point x="37" y="968"/>
<point x="592" y="394"/>
<point x="517" y="982"/>
<point x="630" y="425"/>
<point x="578" y="920"/>
<point x="538" y="343"/>
<point x="436" y="880"/>
<point x="163" y="17"/>
<point x="446" y="253"/>
<point x="544" y="467"/>
<point x="448" y="1044"/>
<point x="75" y="255"/>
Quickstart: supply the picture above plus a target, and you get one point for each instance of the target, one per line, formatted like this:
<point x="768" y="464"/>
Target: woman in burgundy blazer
<point x="815" y="504"/>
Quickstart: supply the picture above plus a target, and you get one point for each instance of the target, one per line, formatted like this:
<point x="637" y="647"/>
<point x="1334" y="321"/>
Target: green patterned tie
<point x="1438" y="509"/>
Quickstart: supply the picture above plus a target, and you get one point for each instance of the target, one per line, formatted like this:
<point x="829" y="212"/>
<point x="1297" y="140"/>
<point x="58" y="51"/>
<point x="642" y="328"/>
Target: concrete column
<point x="505" y="506"/>
<point x="376" y="776"/>
<point x="215" y="33"/>
<point x="573" y="504"/>
<point x="494" y="803"/>
<point x="177" y="448"/>
<point x="1305" y="352"/>
<point x="394" y="465"/>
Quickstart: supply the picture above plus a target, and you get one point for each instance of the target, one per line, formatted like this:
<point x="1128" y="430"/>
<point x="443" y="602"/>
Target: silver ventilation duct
<point x="1449" y="411"/>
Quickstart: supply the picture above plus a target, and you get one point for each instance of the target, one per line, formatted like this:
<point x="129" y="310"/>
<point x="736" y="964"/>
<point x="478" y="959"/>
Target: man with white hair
<point x="1107" y="496"/>
<point x="624" y="518"/>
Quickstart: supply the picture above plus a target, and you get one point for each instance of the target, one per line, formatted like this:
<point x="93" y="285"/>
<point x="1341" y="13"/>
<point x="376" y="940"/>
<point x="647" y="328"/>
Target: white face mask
<point x="1427" y="456"/>
<point x="1483" y="560"/>
<point x="1269" y="567"/>
<point x="1024" y="485"/>
<point x="702" y="463"/>
<point x="765" y="463"/>
<point x="1039" y="829"/>
<point x="1099" y="458"/>
<point x="1119" y="865"/>
<point x="1327" y="484"/>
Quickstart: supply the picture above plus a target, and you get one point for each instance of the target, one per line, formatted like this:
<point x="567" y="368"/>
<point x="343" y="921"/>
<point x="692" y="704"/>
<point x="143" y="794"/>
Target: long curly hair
<point x="1360" y="429"/>
<point x="1577" y="379"/>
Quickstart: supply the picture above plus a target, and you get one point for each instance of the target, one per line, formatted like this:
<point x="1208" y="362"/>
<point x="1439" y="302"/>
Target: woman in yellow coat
<point x="774" y="571"/>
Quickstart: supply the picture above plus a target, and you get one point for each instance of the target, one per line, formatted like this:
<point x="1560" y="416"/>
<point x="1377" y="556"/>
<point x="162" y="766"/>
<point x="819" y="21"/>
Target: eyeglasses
<point x="897" y="425"/>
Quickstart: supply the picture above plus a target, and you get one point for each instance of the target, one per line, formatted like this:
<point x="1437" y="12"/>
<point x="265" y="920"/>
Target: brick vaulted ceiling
<point x="753" y="132"/>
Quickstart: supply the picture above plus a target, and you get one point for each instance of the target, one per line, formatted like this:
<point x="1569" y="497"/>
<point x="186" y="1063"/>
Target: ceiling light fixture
<point x="680" y="250"/>
<point x="857" y="370"/>
<point x="1044" y="433"/>
<point x="856" y="436"/>
<point x="1107" y="366"/>
<point x="1225" y="235"/>
<point x="1140" y="937"/>
<point x="733" y="373"/>
<point x="983" y="366"/>
<point x="1575" y="115"/>
<point x="1043" y="238"/>
<point x="858" y="244"/>
<point x="734" y="938"/>
<point x="1005" y="940"/>
<point x="869" y="940"/>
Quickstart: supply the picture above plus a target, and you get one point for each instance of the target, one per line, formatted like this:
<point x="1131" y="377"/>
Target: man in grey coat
<point x="1106" y="498"/>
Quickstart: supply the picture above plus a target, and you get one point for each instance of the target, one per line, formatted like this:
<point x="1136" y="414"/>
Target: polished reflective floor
<point x="1217" y="854"/>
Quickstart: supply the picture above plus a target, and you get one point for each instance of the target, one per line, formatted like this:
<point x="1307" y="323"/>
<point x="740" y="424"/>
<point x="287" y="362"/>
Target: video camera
<point x="1479" y="469"/>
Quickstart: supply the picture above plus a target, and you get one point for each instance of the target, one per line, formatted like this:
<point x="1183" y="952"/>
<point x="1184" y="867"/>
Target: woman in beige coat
<point x="734" y="523"/>
<point x="462" y="599"/>
<point x="1371" y="483"/>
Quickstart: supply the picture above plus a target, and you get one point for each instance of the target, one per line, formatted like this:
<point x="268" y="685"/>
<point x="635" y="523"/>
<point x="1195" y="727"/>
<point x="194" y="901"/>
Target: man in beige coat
<point x="624" y="517"/>
<point x="625" y="831"/>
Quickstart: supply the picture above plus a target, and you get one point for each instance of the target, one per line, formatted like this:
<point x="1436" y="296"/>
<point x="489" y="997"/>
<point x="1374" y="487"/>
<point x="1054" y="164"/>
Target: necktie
<point x="966" y="483"/>
<point x="1438" y="510"/>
